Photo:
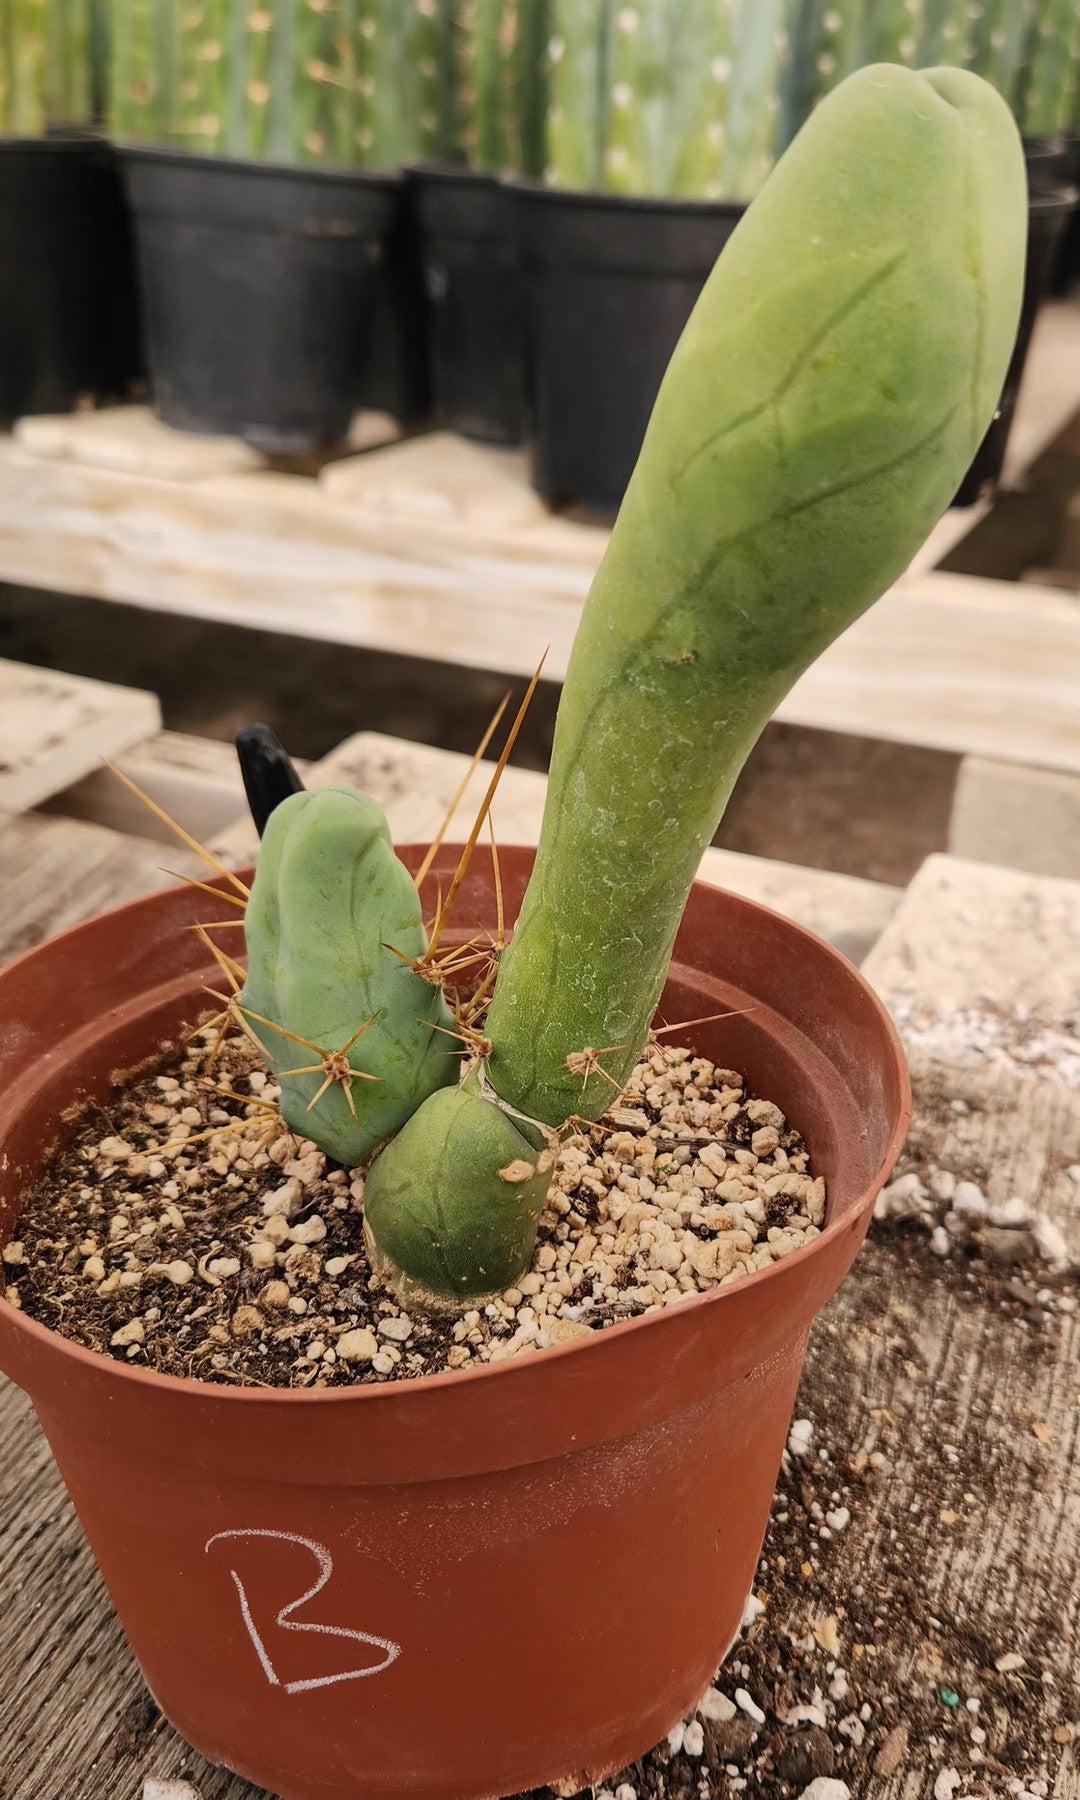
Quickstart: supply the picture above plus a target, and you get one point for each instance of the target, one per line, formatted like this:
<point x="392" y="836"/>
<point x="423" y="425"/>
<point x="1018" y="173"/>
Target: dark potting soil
<point x="182" y="1227"/>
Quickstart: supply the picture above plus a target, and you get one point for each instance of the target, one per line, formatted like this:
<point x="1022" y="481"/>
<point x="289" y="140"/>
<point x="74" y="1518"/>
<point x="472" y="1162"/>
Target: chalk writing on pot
<point x="286" y="1622"/>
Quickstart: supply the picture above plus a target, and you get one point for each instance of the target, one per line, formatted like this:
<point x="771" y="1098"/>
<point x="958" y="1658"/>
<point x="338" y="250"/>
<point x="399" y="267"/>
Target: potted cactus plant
<point x="659" y="130"/>
<point x="261" y="147"/>
<point x="467" y="216"/>
<point x="68" y="325"/>
<point x="476" y="1581"/>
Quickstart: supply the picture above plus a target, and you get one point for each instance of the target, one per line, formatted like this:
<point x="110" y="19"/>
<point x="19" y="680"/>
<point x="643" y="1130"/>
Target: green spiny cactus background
<point x="45" y="64"/>
<point x="666" y="97"/>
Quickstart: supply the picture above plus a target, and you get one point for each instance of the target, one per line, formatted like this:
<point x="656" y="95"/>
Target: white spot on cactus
<point x="260" y="20"/>
<point x="428" y="68"/>
<point x="780" y="43"/>
<point x="715" y="132"/>
<point x="617" y="157"/>
<point x="832" y="22"/>
<point x="426" y="8"/>
<point x="720" y="68"/>
<point x="627" y="20"/>
<point x="556" y="50"/>
<point x="258" y="92"/>
<point x="622" y="93"/>
<point x="826" y="63"/>
<point x="997" y="40"/>
<point x="368" y="28"/>
<point x="363" y="138"/>
<point x="907" y="48"/>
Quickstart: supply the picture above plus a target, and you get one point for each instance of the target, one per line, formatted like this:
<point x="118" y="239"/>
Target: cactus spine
<point x="776" y="496"/>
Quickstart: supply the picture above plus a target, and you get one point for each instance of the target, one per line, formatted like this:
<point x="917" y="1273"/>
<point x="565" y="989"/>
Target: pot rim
<point x="151" y="1381"/>
<point x="533" y="190"/>
<point x="130" y="150"/>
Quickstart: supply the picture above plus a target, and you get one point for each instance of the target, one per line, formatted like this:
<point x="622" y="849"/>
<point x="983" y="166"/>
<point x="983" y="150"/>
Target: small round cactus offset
<point x="827" y="395"/>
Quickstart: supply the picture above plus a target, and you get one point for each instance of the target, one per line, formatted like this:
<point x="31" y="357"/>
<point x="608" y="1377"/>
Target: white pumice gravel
<point x="961" y="1220"/>
<point x="246" y="1251"/>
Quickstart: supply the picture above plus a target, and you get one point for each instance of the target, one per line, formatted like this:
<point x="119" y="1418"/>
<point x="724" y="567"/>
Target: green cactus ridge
<point x="329" y="896"/>
<point x="812" y="426"/>
<point x="46" y="64"/>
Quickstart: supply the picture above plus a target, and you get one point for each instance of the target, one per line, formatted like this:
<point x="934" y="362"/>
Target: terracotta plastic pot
<point x="476" y="1583"/>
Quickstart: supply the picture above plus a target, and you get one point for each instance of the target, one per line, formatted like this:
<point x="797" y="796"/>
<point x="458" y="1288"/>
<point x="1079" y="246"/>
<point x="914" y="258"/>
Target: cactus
<point x="808" y="433"/>
<point x="1048" y="84"/>
<point x="999" y="42"/>
<point x="329" y="897"/>
<point x="488" y="82"/>
<point x="668" y="97"/>
<point x="948" y="32"/>
<point x="45" y="64"/>
<point x="891" y="31"/>
<point x="405" y="81"/>
<point x="577" y="61"/>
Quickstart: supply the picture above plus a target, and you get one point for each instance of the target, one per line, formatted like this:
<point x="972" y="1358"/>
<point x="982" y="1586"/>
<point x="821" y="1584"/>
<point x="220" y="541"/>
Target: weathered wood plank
<point x="1023" y="818"/>
<point x="55" y="728"/>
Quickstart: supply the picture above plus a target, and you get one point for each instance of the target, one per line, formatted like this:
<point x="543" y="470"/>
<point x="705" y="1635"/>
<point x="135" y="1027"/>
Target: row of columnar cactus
<point x="45" y="64"/>
<point x="359" y="82"/>
<point x="667" y="97"/>
<point x="1028" y="49"/>
<point x="372" y="83"/>
<point x="809" y="431"/>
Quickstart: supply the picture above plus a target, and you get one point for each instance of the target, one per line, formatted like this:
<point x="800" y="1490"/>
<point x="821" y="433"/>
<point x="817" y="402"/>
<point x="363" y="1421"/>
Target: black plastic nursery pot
<point x="68" y="312"/>
<point x="610" y="282"/>
<point x="476" y="302"/>
<point x="1050" y="209"/>
<point x="397" y="371"/>
<point x="259" y="284"/>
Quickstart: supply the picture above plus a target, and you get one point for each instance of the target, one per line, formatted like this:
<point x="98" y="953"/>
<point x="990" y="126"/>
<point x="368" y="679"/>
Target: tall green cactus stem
<point x="701" y="61"/>
<point x="891" y="31"/>
<point x="141" y="101"/>
<point x="577" y="89"/>
<point x="947" y="33"/>
<point x="761" y="47"/>
<point x="404" y="82"/>
<point x="999" y="43"/>
<point x="329" y="896"/>
<point x="45" y="64"/>
<point x="813" y="424"/>
<point x="1048" y="87"/>
<point x="534" y="36"/>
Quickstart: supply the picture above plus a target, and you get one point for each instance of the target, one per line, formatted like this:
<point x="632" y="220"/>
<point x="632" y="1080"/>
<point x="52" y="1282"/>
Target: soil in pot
<point x="259" y="283"/>
<point x="163" y="1235"/>
<point x="610" y="282"/>
<point x="476" y="304"/>
<point x="1050" y="210"/>
<point x="68" y="314"/>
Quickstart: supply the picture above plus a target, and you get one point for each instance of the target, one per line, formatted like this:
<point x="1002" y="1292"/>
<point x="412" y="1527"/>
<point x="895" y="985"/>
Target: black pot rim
<point x="433" y="169"/>
<point x="1059" y="197"/>
<point x="540" y="192"/>
<point x="74" y="145"/>
<point x="164" y="155"/>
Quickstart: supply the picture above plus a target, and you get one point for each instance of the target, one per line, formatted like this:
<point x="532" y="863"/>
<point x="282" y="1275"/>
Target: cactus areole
<point x="827" y="395"/>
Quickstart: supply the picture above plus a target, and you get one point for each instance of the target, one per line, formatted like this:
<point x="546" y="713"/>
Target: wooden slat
<point x="929" y="665"/>
<point x="55" y="728"/>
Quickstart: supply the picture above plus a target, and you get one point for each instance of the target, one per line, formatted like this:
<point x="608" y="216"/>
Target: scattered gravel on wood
<point x="186" y="1230"/>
